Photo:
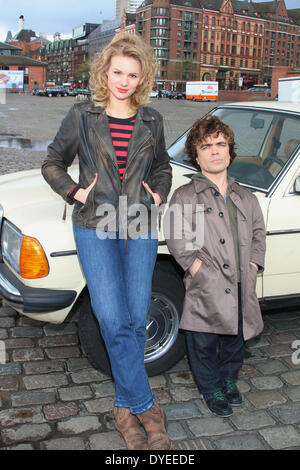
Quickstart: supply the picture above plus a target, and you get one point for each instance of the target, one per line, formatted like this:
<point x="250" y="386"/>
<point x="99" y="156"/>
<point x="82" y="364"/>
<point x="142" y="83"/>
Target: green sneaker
<point x="217" y="404"/>
<point x="232" y="393"/>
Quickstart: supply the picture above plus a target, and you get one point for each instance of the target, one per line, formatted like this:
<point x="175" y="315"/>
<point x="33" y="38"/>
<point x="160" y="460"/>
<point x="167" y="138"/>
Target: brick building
<point x="282" y="37"/>
<point x="34" y="70"/>
<point x="220" y="40"/>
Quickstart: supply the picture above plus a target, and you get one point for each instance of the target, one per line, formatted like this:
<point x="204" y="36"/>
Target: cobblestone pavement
<point x="52" y="398"/>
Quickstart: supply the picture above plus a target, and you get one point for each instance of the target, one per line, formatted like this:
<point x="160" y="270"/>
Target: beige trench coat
<point x="211" y="301"/>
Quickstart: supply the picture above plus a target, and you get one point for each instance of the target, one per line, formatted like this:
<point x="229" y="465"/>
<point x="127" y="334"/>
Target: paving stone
<point x="3" y="333"/>
<point x="75" y="393"/>
<point x="106" y="441"/>
<point x="63" y="352"/>
<point x="192" y="444"/>
<point x="34" y="397"/>
<point x="183" y="377"/>
<point x="74" y="364"/>
<point x="7" y="322"/>
<point x="176" y="431"/>
<point x="278" y="350"/>
<point x="239" y="442"/>
<point x="158" y="381"/>
<point x="265" y="399"/>
<point x="271" y="367"/>
<point x="43" y="367"/>
<point x="104" y="389"/>
<point x="8" y="312"/>
<point x="25" y="432"/>
<point x="26" y="355"/>
<point x="60" y="410"/>
<point x="181" y="411"/>
<point x="254" y="420"/>
<point x="292" y="377"/>
<point x="281" y="437"/>
<point x="100" y="405"/>
<point x="68" y="443"/>
<point x="79" y="425"/>
<point x="62" y="329"/>
<point x="33" y="382"/>
<point x="14" y="416"/>
<point x="27" y="332"/>
<point x="17" y="343"/>
<point x="184" y="393"/>
<point x="63" y="340"/>
<point x="289" y="413"/>
<point x="10" y="369"/>
<point x="209" y="426"/>
<point x="19" y="447"/>
<point x="87" y="375"/>
<point x="293" y="393"/>
<point x="8" y="383"/>
<point x="266" y="382"/>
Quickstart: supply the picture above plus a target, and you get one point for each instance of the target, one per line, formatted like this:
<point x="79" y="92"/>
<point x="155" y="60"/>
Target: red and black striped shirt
<point x="121" y="131"/>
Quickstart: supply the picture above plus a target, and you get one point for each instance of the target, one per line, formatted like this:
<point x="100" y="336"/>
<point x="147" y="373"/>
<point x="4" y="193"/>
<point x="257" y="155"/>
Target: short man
<point x="221" y="310"/>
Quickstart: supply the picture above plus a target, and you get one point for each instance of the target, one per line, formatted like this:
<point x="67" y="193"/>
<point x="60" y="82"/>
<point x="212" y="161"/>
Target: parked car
<point x="40" y="275"/>
<point x="263" y="88"/>
<point x="55" y="91"/>
<point x="153" y="94"/>
<point x="176" y="95"/>
<point x="37" y="91"/>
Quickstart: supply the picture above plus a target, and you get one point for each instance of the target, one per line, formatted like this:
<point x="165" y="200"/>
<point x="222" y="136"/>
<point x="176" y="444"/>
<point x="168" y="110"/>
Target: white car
<point x="153" y="94"/>
<point x="39" y="271"/>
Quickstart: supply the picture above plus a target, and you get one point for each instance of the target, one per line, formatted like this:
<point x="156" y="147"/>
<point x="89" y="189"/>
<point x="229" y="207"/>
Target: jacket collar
<point x="142" y="112"/>
<point x="201" y="184"/>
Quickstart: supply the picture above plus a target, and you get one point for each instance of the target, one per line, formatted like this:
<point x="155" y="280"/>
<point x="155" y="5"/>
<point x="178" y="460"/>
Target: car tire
<point x="165" y="344"/>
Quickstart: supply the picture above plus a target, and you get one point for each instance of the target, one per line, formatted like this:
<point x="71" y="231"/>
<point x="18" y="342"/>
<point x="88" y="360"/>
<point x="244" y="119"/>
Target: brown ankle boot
<point x="129" y="428"/>
<point x="155" y="424"/>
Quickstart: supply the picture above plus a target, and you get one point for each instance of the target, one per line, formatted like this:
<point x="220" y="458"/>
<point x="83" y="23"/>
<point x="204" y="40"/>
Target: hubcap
<point x="162" y="327"/>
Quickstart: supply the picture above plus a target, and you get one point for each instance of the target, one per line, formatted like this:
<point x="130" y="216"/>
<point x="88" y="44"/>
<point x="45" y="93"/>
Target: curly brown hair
<point x="130" y="45"/>
<point x="201" y="130"/>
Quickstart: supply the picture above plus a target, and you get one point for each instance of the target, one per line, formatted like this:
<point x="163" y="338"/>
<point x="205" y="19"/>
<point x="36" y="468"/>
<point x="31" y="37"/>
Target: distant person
<point x="221" y="310"/>
<point x="122" y="155"/>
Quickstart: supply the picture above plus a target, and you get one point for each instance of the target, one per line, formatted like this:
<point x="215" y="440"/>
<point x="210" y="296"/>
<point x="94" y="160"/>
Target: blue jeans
<point x="119" y="280"/>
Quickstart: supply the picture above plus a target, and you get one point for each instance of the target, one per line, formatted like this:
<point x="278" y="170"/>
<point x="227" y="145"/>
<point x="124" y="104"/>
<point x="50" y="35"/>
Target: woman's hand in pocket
<point x="82" y="194"/>
<point x="156" y="196"/>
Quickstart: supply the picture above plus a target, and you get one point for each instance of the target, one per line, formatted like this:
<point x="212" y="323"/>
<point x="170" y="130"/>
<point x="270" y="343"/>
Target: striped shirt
<point x="121" y="131"/>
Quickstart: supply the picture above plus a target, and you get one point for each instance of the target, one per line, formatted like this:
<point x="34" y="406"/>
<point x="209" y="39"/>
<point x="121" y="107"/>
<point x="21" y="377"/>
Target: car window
<point x="265" y="140"/>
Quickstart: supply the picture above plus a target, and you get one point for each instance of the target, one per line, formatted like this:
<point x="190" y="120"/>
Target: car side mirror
<point x="297" y="185"/>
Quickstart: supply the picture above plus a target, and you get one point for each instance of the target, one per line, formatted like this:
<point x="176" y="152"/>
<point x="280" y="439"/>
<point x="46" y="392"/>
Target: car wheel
<point x="165" y="345"/>
<point x="49" y="94"/>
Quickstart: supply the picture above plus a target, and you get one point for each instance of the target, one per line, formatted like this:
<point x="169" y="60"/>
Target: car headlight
<point x="23" y="253"/>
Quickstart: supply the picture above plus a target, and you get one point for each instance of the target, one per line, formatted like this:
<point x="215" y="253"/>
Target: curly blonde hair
<point x="129" y="45"/>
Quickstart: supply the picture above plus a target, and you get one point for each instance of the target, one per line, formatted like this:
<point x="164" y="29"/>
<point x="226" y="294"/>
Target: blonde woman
<point x="124" y="174"/>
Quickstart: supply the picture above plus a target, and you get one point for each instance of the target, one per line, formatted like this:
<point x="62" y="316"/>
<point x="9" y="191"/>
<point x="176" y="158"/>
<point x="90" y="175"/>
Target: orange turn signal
<point x="33" y="261"/>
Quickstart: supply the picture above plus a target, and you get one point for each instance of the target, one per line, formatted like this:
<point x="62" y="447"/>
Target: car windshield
<point x="264" y="142"/>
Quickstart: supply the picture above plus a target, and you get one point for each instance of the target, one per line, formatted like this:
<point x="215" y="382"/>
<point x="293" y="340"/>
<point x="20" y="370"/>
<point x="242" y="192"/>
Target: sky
<point x="53" y="16"/>
<point x="61" y="15"/>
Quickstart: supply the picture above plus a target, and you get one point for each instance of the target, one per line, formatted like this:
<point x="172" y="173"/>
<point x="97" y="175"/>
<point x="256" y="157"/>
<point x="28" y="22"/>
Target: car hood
<point x="27" y="199"/>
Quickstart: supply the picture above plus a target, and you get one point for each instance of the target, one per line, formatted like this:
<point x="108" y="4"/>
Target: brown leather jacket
<point x="85" y="132"/>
